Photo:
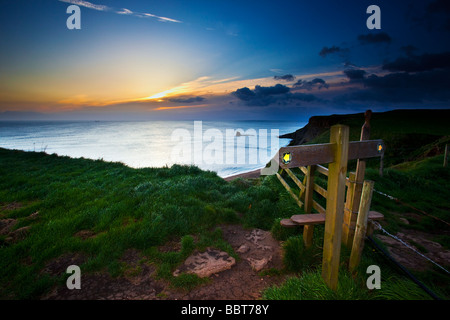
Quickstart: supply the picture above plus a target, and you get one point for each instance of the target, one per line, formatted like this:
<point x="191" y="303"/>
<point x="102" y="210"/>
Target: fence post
<point x="348" y="207"/>
<point x="337" y="172"/>
<point x="361" y="225"/>
<point x="359" y="179"/>
<point x="445" y="155"/>
<point x="308" y="230"/>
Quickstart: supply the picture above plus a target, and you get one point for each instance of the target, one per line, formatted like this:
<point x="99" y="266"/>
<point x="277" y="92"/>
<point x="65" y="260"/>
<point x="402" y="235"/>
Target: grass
<point x="147" y="208"/>
<point x="123" y="207"/>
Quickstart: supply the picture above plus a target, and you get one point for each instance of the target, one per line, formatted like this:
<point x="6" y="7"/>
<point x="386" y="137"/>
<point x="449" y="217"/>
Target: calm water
<point x="211" y="145"/>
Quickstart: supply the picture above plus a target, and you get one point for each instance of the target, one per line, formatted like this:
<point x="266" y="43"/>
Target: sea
<point x="225" y="147"/>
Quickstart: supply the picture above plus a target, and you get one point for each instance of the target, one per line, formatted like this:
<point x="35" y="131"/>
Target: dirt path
<point x="240" y="282"/>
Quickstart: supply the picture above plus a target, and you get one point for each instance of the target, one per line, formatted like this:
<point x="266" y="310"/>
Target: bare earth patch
<point x="241" y="281"/>
<point x="10" y="206"/>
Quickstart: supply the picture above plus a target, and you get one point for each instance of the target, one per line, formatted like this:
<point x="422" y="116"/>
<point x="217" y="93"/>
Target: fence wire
<point x="379" y="227"/>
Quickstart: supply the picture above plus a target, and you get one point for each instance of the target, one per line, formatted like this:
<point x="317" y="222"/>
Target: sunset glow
<point x="135" y="57"/>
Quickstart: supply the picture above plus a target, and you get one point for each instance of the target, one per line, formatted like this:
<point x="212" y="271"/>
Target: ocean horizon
<point x="225" y="147"/>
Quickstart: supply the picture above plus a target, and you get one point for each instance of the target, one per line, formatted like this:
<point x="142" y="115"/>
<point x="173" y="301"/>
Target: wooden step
<point x="317" y="218"/>
<point x="312" y="218"/>
<point x="288" y="223"/>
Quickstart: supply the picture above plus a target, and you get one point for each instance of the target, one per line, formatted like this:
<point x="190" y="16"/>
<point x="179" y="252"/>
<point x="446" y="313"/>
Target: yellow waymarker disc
<point x="286" y="158"/>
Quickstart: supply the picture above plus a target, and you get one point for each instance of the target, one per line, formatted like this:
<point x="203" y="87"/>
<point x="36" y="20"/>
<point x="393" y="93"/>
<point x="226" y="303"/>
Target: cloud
<point x="276" y="70"/>
<point x="409" y="50"/>
<point x="162" y="19"/>
<point x="419" y="63"/>
<point x="435" y="16"/>
<point x="374" y="38"/>
<point x="264" y="96"/>
<point x="439" y="6"/>
<point x="355" y="74"/>
<point x="125" y="11"/>
<point x="187" y="99"/>
<point x="286" y="77"/>
<point x="309" y="85"/>
<point x="244" y="94"/>
<point x="266" y="91"/>
<point x="87" y="4"/>
<point x="326" y="51"/>
<point x="402" y="87"/>
<point x="122" y="11"/>
<point x="439" y="13"/>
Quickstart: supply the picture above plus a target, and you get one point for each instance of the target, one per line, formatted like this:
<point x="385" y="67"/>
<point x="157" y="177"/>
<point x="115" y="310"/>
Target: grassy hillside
<point x="53" y="201"/>
<point x="408" y="134"/>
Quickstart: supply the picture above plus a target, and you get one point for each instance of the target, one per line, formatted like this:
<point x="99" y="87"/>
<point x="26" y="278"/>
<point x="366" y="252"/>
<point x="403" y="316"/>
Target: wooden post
<point x="337" y="172"/>
<point x="381" y="166"/>
<point x="348" y="207"/>
<point x="359" y="179"/>
<point x="308" y="230"/>
<point x="445" y="155"/>
<point x="361" y="225"/>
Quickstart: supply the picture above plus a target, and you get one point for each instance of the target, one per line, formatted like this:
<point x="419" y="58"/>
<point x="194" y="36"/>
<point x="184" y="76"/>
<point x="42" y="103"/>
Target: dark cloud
<point x="435" y="16"/>
<point x="439" y="6"/>
<point x="420" y="63"/>
<point x="244" y="94"/>
<point x="309" y="85"/>
<point x="286" y="77"/>
<point x="326" y="51"/>
<point x="409" y="50"/>
<point x="355" y="74"/>
<point x="374" y="38"/>
<point x="402" y="87"/>
<point x="266" y="91"/>
<point x="439" y="13"/>
<point x="186" y="99"/>
<point x="278" y="94"/>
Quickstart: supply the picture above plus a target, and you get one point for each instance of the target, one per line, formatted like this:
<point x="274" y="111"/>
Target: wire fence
<point x="379" y="227"/>
<point x="412" y="207"/>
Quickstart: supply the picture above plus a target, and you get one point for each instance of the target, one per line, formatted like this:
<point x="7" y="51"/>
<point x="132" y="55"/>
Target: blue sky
<point x="221" y="59"/>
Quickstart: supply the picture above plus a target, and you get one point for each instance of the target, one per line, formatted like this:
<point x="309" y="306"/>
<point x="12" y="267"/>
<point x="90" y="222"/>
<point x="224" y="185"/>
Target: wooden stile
<point x="348" y="208"/>
<point x="288" y="188"/>
<point x="318" y="218"/>
<point x="295" y="179"/>
<point x="308" y="230"/>
<point x="306" y="155"/>
<point x="339" y="217"/>
<point x="337" y="172"/>
<point x="361" y="225"/>
<point x="349" y="227"/>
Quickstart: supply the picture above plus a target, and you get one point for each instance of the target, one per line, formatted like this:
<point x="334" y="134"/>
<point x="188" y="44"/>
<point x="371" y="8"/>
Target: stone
<point x="243" y="249"/>
<point x="258" y="264"/>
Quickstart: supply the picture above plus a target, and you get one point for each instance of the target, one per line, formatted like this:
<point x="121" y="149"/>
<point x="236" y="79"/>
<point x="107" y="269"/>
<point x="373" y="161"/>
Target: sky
<point x="216" y="60"/>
